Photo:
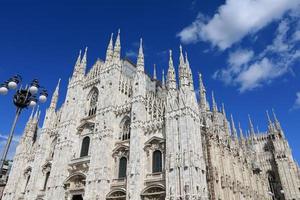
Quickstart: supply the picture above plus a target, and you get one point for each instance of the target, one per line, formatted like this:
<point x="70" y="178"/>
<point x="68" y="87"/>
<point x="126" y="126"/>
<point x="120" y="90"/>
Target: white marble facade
<point x="121" y="135"/>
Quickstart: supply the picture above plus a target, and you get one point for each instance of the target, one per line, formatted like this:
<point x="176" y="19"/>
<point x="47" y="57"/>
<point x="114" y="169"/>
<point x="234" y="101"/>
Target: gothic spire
<point x="181" y="58"/>
<point x="241" y="132"/>
<point x="110" y="50"/>
<point x="83" y="62"/>
<point x="77" y="65"/>
<point x="171" y="76"/>
<point x="117" y="48"/>
<point x="269" y="119"/>
<point x="251" y="126"/>
<point x="257" y="130"/>
<point x="30" y="119"/>
<point x="154" y="72"/>
<point x="31" y="115"/>
<point x="214" y="105"/>
<point x="189" y="71"/>
<point x="183" y="79"/>
<point x="225" y="120"/>
<point x="78" y="59"/>
<point x="277" y="123"/>
<point x="223" y="110"/>
<point x="54" y="98"/>
<point x="163" y="78"/>
<point x="233" y="129"/>
<point x="202" y="94"/>
<point x="36" y="115"/>
<point x="270" y="123"/>
<point x="140" y="60"/>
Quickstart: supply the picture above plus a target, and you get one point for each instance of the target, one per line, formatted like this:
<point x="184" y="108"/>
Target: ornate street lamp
<point x="23" y="98"/>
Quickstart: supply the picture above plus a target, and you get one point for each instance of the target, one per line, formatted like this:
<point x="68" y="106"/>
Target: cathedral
<point x="124" y="135"/>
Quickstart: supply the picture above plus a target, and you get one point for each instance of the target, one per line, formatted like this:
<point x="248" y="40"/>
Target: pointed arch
<point x="125" y="128"/>
<point x="92" y="101"/>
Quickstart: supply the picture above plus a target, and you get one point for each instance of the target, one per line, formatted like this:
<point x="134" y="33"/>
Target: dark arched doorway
<point x="77" y="197"/>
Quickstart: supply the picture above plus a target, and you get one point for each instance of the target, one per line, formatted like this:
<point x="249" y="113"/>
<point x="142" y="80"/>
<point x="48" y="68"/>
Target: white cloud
<point x="234" y="20"/>
<point x="13" y="146"/>
<point x="249" y="71"/>
<point x="239" y="58"/>
<point x="296" y="36"/>
<point x="16" y="138"/>
<point x="262" y="71"/>
<point x="131" y="54"/>
<point x="297" y="101"/>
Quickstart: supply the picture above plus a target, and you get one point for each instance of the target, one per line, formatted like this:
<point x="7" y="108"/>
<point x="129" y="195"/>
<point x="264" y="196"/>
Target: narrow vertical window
<point x="157" y="162"/>
<point x="85" y="146"/>
<point x="93" y="98"/>
<point x="27" y="181"/>
<point x="46" y="180"/>
<point x="126" y="130"/>
<point x="122" y="167"/>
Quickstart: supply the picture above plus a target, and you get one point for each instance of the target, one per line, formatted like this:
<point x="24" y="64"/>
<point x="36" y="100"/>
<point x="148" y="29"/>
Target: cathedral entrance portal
<point x="77" y="197"/>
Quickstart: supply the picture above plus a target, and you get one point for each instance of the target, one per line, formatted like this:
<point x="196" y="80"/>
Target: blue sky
<point x="247" y="51"/>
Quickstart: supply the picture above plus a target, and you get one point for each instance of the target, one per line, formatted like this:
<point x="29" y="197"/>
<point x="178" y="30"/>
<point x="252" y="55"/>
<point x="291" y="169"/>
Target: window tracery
<point x="125" y="129"/>
<point x="93" y="99"/>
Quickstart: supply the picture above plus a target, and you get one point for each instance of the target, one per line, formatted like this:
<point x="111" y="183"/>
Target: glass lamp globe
<point x="33" y="89"/>
<point x="3" y="90"/>
<point x="32" y="103"/>
<point x="12" y="85"/>
<point x="42" y="98"/>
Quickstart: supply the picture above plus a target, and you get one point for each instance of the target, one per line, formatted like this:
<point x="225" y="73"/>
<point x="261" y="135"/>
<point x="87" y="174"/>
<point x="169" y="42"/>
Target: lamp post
<point x="23" y="98"/>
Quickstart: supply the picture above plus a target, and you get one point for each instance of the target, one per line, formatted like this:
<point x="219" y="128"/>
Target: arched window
<point x="46" y="180"/>
<point x="85" y="146"/>
<point x="93" y="99"/>
<point x="122" y="167"/>
<point x="126" y="130"/>
<point x="157" y="161"/>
